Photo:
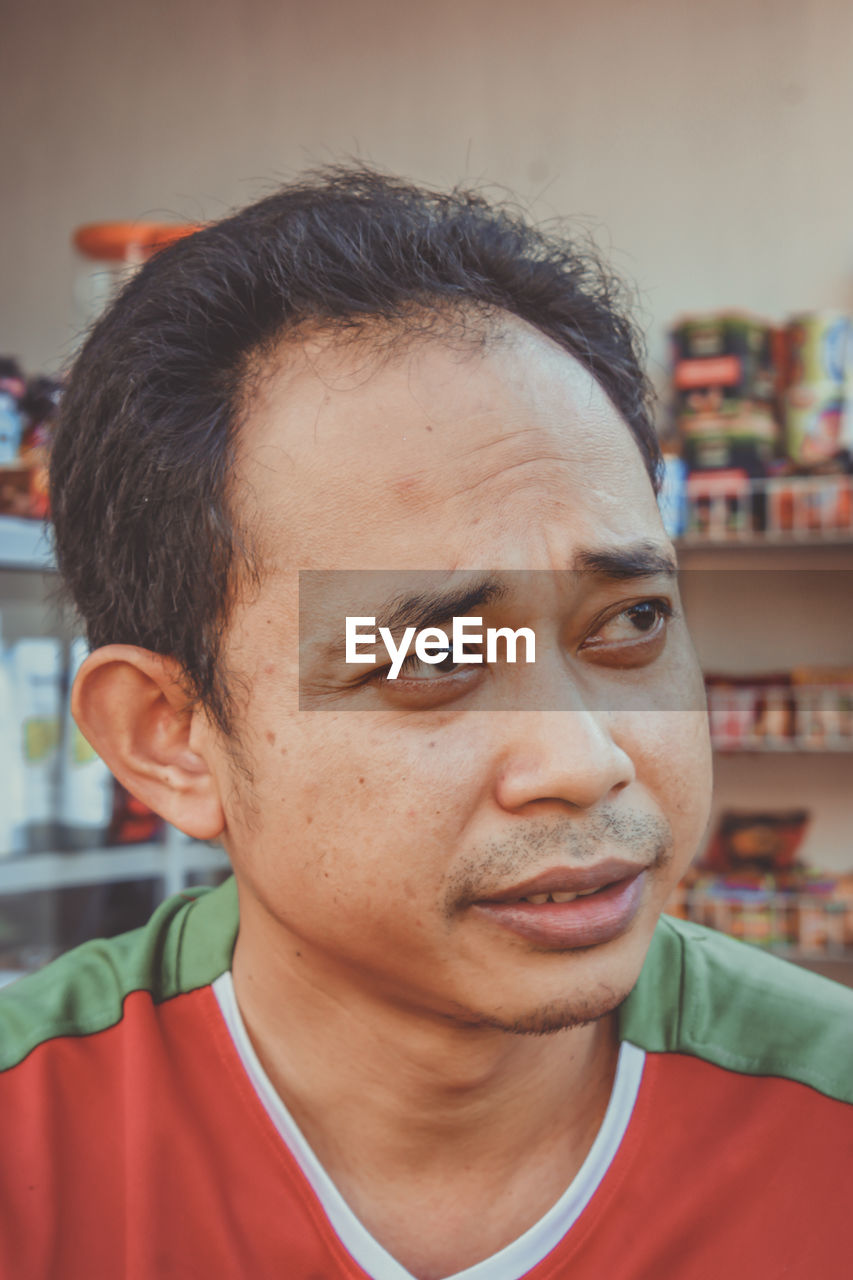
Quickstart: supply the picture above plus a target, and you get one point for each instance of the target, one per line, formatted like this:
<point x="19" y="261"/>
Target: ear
<point x="132" y="707"/>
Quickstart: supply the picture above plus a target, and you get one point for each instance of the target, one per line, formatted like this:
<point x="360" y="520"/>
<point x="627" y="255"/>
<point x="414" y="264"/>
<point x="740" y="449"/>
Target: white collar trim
<point x="508" y="1264"/>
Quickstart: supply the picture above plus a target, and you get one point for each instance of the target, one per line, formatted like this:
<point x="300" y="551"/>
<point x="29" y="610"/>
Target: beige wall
<point x="711" y="145"/>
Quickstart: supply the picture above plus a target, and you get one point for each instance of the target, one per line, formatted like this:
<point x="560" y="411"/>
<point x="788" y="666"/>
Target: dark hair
<point x="144" y="535"/>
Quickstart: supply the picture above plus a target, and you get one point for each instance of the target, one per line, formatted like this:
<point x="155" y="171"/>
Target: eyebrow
<point x="420" y="609"/>
<point x="430" y="608"/>
<point x="639" y="560"/>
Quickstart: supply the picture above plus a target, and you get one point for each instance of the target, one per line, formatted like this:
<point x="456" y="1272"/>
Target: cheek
<point x="675" y="764"/>
<point x="362" y="801"/>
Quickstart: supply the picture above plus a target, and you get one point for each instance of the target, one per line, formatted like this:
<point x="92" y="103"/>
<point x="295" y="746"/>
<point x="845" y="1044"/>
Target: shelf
<point x="24" y="544"/>
<point x="725" y="508"/>
<point x="785" y="749"/>
<point x="839" y="969"/>
<point x="766" y="542"/>
<point x="171" y="862"/>
<point x="796" y="955"/>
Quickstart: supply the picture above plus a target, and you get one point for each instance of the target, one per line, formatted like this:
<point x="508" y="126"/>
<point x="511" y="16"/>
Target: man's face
<point x="391" y="829"/>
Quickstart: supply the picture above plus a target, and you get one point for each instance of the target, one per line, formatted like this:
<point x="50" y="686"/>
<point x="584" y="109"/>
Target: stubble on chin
<point x="559" y="1015"/>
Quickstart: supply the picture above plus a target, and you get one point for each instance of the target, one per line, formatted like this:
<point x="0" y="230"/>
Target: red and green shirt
<point x="141" y="1138"/>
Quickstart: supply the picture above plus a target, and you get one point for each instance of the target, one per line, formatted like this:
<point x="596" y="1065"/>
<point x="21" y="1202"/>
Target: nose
<point x="567" y="758"/>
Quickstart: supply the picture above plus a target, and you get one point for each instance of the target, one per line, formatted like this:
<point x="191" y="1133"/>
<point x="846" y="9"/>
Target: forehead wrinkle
<point x="504" y="470"/>
<point x="507" y="438"/>
<point x="422" y="489"/>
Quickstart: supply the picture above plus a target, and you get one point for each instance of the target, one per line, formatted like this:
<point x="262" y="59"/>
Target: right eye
<point x="414" y="669"/>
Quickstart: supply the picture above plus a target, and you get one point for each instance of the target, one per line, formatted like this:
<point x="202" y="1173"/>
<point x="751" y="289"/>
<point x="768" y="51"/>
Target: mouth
<point x="569" y="908"/>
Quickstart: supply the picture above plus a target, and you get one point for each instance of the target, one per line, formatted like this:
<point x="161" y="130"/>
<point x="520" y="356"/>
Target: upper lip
<point x="569" y="880"/>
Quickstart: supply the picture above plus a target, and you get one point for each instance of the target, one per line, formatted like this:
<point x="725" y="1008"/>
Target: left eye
<point x="639" y="622"/>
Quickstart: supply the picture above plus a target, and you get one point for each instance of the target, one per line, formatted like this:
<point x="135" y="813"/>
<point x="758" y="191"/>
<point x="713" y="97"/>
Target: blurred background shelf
<point x="730" y="508"/>
<point x="173" y="862"/>
<point x="25" y="545"/>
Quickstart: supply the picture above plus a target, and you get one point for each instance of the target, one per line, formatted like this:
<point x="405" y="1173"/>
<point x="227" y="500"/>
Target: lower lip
<point x="564" y="926"/>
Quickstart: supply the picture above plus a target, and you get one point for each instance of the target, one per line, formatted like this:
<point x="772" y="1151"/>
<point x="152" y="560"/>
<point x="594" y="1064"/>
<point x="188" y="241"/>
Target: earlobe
<point x="133" y="708"/>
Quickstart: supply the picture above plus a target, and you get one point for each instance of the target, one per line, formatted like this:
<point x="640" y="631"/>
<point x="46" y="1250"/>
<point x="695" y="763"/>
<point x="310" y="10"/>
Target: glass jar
<point x="109" y="253"/>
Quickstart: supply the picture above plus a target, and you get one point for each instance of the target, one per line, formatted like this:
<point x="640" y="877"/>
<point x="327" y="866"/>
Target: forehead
<point x="435" y="454"/>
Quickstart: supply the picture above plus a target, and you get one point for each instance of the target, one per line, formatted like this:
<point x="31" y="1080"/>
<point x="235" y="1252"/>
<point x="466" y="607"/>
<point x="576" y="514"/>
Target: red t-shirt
<point x="135" y="1143"/>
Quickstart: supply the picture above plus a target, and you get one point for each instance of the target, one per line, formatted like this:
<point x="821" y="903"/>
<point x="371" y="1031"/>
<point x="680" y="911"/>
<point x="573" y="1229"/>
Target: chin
<point x="557" y="1015"/>
<point x="589" y="984"/>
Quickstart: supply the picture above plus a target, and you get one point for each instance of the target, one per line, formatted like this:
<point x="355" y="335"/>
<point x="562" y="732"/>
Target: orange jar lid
<point x="123" y="241"/>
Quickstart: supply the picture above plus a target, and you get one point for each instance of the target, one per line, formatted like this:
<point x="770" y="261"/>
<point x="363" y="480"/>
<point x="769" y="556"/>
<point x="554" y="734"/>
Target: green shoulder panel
<point x="186" y="944"/>
<point x="737" y="1007"/>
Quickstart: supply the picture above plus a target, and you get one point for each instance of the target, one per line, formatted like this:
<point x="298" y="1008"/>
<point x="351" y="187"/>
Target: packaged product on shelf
<point x="810" y="708"/>
<point x="719" y="504"/>
<point x="36" y="670"/>
<point x="13" y="474"/>
<point x="11" y="420"/>
<point x="40" y="405"/>
<point x="818" y="354"/>
<point x="821" y="924"/>
<point x="732" y="506"/>
<point x="132" y="821"/>
<point x="751" y="916"/>
<point x="672" y="499"/>
<point x="756" y="842"/>
<point x="842" y="895"/>
<point x="725" y="377"/>
<point x="796" y="907"/>
<point x="31" y="410"/>
<point x="750" y="713"/>
<point x="847" y="415"/>
<point x="824" y="707"/>
<point x="774" y="724"/>
<point x="807" y="505"/>
<point x="86" y="784"/>
<point x="731" y="711"/>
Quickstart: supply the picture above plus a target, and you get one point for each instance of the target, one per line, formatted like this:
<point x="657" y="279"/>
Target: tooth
<point x="538" y="898"/>
<point x="585" y="893"/>
<point x="562" y="895"/>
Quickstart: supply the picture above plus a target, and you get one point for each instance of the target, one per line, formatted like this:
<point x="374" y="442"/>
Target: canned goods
<point x="819" y="357"/>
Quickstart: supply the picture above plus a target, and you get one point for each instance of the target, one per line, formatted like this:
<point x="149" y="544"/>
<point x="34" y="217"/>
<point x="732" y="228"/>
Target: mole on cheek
<point x="270" y="736"/>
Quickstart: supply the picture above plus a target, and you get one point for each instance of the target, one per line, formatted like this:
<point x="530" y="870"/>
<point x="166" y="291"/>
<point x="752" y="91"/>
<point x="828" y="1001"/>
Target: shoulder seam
<point x="84" y="991"/>
<point x="93" y="1025"/>
<point x="782" y="1066"/>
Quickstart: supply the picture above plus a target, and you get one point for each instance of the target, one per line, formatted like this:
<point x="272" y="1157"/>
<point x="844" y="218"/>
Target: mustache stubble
<point x="645" y="839"/>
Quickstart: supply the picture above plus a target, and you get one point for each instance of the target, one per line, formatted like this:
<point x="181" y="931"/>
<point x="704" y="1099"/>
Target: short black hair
<point x="144" y="534"/>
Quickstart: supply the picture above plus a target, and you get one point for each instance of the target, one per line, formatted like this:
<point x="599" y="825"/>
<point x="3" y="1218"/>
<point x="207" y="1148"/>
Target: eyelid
<point x="440" y="675"/>
<point x="666" y="612"/>
<point x="469" y="647"/>
<point x="426" y="693"/>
